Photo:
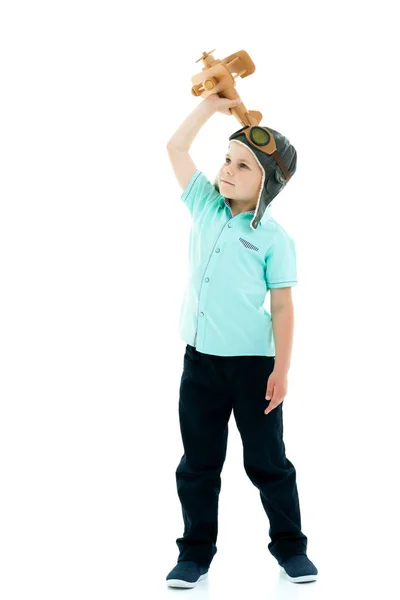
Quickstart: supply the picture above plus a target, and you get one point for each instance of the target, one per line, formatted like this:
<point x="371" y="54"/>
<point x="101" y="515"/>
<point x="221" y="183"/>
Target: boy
<point x="237" y="251"/>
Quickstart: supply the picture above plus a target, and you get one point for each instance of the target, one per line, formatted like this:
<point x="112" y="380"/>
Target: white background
<point x="93" y="259"/>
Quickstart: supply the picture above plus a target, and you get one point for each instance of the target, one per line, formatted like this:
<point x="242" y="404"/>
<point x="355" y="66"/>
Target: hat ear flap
<point x="279" y="177"/>
<point x="275" y="183"/>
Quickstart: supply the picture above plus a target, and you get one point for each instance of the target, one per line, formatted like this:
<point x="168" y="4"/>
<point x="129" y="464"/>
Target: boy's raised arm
<point x="182" y="165"/>
<point x="179" y="144"/>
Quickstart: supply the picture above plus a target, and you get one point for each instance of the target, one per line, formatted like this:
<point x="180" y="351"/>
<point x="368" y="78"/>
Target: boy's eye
<point x="226" y="160"/>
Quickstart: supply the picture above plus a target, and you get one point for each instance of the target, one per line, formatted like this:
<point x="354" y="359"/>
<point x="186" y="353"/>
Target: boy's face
<point x="242" y="171"/>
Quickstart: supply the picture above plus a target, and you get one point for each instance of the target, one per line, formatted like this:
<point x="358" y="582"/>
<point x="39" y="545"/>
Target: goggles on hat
<point x="262" y="139"/>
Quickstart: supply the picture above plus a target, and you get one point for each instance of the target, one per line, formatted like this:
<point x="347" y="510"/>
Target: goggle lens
<point x="259" y="136"/>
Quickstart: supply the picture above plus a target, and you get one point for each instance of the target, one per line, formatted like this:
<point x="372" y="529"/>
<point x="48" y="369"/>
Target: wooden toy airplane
<point x="216" y="78"/>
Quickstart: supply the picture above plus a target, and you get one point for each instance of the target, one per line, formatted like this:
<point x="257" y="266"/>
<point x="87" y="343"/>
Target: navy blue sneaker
<point x="299" y="568"/>
<point x="186" y="574"/>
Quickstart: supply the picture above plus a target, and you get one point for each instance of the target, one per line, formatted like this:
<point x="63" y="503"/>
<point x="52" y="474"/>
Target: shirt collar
<point x="265" y="216"/>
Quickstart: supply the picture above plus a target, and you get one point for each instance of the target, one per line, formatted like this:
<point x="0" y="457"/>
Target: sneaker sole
<point x="301" y="579"/>
<point x="181" y="583"/>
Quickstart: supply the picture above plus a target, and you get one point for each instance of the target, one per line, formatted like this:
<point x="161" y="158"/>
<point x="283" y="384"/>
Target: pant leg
<point x="204" y="412"/>
<point x="264" y="456"/>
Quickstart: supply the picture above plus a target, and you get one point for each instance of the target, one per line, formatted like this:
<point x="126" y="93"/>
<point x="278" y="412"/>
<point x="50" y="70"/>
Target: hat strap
<point x="282" y="165"/>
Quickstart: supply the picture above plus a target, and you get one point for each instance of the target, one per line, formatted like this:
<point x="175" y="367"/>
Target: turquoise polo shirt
<point x="231" y="268"/>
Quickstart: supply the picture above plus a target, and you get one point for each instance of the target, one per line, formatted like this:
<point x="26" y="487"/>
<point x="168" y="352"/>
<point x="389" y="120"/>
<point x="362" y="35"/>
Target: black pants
<point x="210" y="387"/>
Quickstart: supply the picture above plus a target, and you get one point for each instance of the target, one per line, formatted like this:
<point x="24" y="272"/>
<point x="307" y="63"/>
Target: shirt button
<point x="202" y="314"/>
<point x="229" y="224"/>
<point x="217" y="250"/>
<point x="207" y="279"/>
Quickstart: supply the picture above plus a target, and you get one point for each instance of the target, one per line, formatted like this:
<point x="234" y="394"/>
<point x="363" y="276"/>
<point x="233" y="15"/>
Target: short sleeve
<point x="281" y="267"/>
<point x="198" y="193"/>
